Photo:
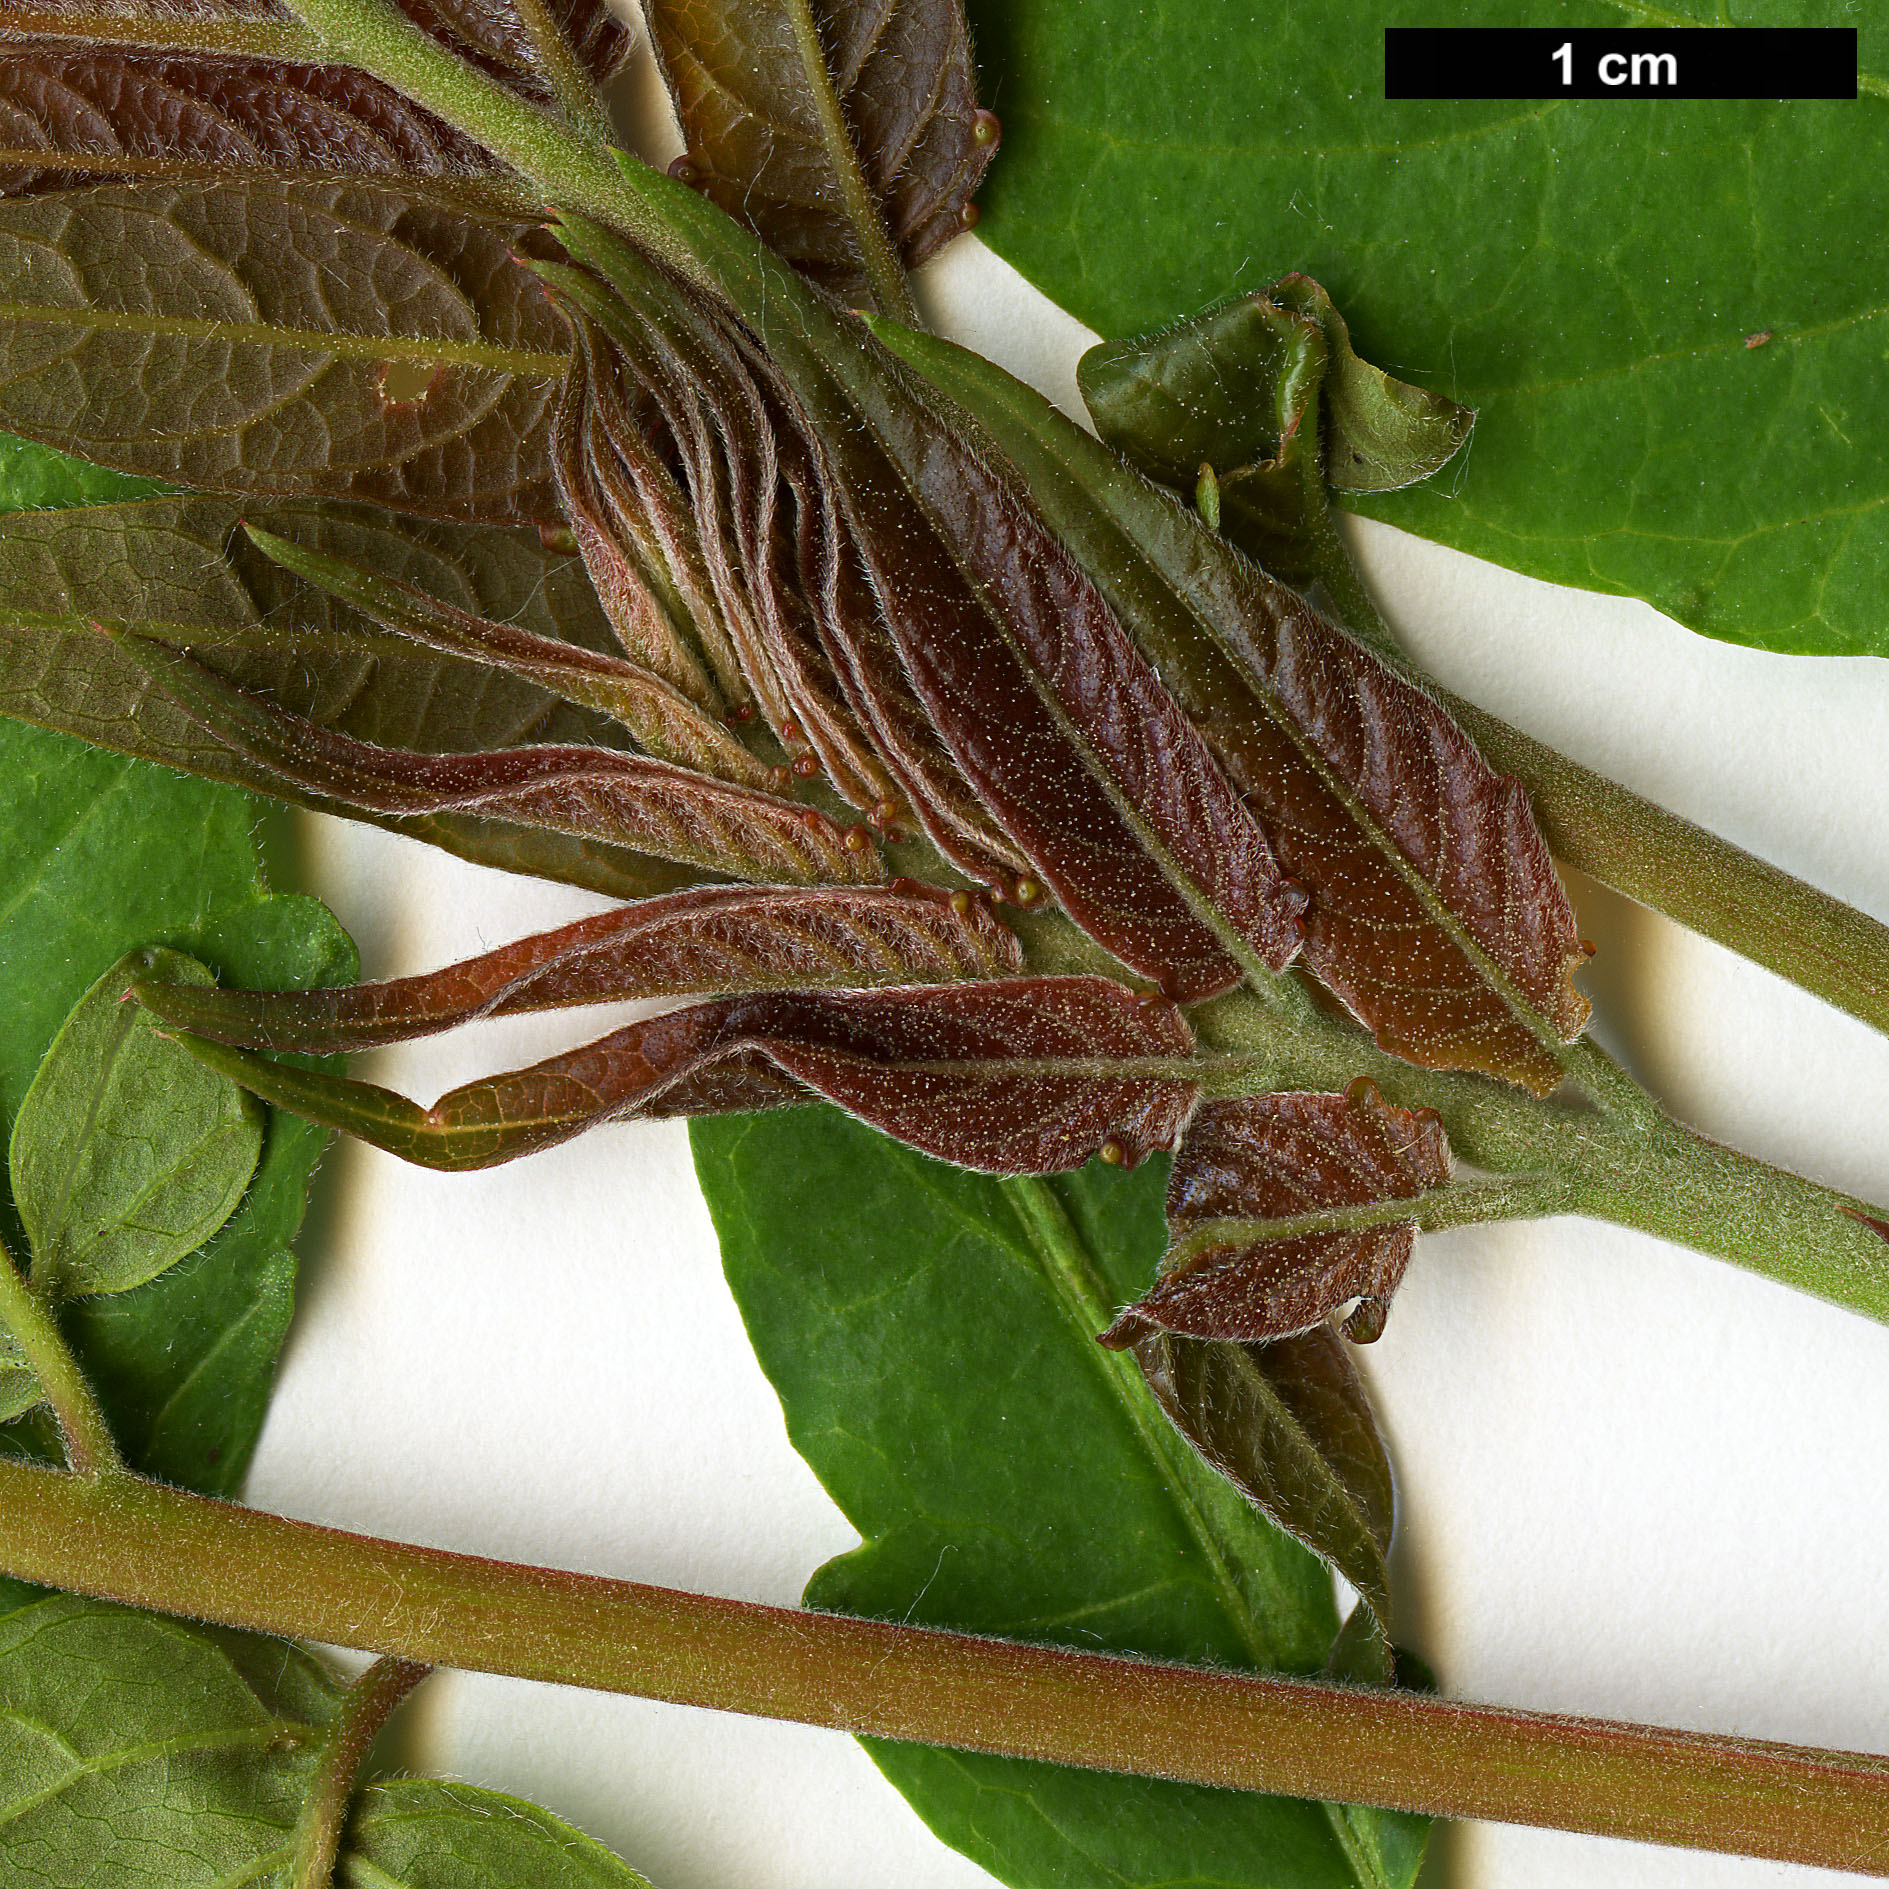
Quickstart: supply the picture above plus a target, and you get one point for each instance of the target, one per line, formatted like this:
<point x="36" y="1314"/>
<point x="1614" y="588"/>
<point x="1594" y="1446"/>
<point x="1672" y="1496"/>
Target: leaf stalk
<point x="90" y="1450"/>
<point x="365" y="1707"/>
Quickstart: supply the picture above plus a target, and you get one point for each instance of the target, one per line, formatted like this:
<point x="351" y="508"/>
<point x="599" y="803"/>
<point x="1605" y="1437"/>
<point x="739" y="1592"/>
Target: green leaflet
<point x="1585" y="273"/>
<point x="938" y="1371"/>
<point x="136" y="1748"/>
<point x="127" y="1154"/>
<point x="99" y="854"/>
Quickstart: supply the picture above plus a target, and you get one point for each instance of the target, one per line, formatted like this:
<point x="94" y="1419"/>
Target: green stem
<point x="558" y="61"/>
<point x="136" y="1542"/>
<point x="1641" y="1170"/>
<point x="365" y="1707"/>
<point x="1455" y="1204"/>
<point x="88" y="1439"/>
<point x="884" y="271"/>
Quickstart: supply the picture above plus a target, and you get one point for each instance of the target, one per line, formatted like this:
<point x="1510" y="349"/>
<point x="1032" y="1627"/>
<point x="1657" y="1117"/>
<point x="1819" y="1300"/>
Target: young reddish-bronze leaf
<point x="179" y="570"/>
<point x="74" y="115"/>
<point x="1028" y="1075"/>
<point x="902" y="96"/>
<point x="662" y="719"/>
<point x="1054" y="718"/>
<point x="492" y="32"/>
<point x="1436" y="913"/>
<point x="1270" y="1211"/>
<point x="1289" y="1423"/>
<point x="750" y="488"/>
<point x="593" y="793"/>
<point x="825" y="645"/>
<point x="638" y="537"/>
<point x="259" y="337"/>
<point x="719" y="939"/>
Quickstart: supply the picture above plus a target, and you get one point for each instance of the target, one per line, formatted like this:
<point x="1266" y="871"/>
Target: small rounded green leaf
<point x="127" y="1152"/>
<point x="135" y="1748"/>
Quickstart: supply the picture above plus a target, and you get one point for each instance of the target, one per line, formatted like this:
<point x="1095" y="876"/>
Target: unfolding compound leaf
<point x="930" y="1334"/>
<point x="588" y="793"/>
<point x="1435" y="914"/>
<point x="890" y="96"/>
<point x="179" y="570"/>
<point x="126" y="1737"/>
<point x="92" y="863"/>
<point x="123" y="1157"/>
<point x="1289" y="1424"/>
<point x="662" y="719"/>
<point x="270" y="338"/>
<point x="714" y="939"/>
<point x="808" y="628"/>
<point x="1284" y="1207"/>
<point x="75" y="115"/>
<point x="1051" y="714"/>
<point x="1630" y="439"/>
<point x="1022" y="1075"/>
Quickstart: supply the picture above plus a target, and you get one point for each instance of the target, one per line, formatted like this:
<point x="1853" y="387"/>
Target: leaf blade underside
<point x="1021" y="1075"/>
<point x="270" y="339"/>
<point x="905" y="86"/>
<point x="711" y="940"/>
<point x="177" y="569"/>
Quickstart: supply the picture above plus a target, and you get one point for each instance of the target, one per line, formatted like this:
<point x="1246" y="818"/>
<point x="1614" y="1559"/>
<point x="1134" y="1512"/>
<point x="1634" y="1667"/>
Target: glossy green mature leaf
<point x="282" y="339"/>
<point x="178" y="569"/>
<point x="893" y="84"/>
<point x="931" y="1335"/>
<point x="91" y="865"/>
<point x="123" y="1157"/>
<point x="137" y="1748"/>
<point x="1588" y="279"/>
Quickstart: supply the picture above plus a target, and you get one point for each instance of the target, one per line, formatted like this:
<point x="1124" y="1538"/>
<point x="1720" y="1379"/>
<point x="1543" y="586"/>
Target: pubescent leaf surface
<point x="178" y="569"/>
<point x="902" y="84"/>
<point x="350" y="339"/>
<point x="1670" y="315"/>
<point x="931" y="1335"/>
<point x="123" y="1157"/>
<point x="137" y="1748"/>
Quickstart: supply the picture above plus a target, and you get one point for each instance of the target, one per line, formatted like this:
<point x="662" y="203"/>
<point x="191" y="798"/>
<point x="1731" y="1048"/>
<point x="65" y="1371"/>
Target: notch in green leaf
<point x="1259" y="406"/>
<point x="127" y="1152"/>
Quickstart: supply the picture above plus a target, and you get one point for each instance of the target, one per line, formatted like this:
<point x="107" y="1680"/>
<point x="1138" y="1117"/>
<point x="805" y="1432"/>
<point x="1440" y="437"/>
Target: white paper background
<point x="1634" y="1482"/>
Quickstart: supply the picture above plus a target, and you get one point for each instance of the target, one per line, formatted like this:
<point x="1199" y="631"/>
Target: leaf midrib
<point x="418" y="349"/>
